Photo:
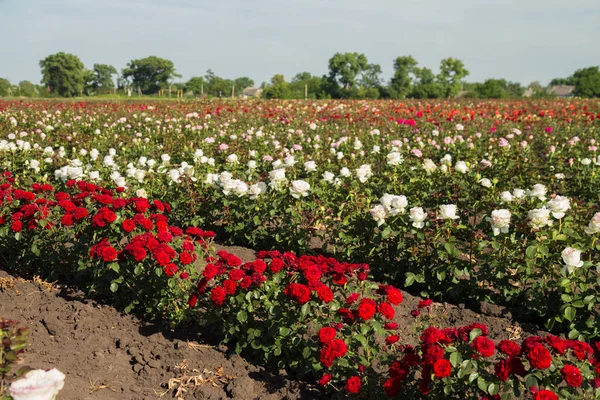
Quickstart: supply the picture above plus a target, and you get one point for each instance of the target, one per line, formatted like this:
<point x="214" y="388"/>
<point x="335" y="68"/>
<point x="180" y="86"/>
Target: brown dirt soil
<point x="108" y="355"/>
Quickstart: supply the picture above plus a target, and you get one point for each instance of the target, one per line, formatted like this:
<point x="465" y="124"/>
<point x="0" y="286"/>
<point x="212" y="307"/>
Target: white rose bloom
<point x="538" y="191"/>
<point x="328" y="176"/>
<point x="257" y="189"/>
<point x="586" y="161"/>
<point x="429" y="166"/>
<point x="448" y="211"/>
<point x="108" y="162"/>
<point x="37" y="385"/>
<point x="594" y="225"/>
<point x="277" y="179"/>
<point x="151" y="163"/>
<point x="241" y="188"/>
<point x="277" y="164"/>
<point x="444" y="168"/>
<point x="572" y="259"/>
<point x="141" y="193"/>
<point x="519" y="193"/>
<point x="252" y="164"/>
<point x="386" y="200"/>
<point x="379" y="214"/>
<point x="398" y="204"/>
<point x="310" y="166"/>
<point x="500" y="221"/>
<point x="299" y="189"/>
<point x="461" y="167"/>
<point x="417" y="216"/>
<point x="289" y="161"/>
<point x="539" y="218"/>
<point x="394" y="158"/>
<point x="446" y="160"/>
<point x="376" y="149"/>
<point x="506" y="197"/>
<point x="94" y="175"/>
<point x="363" y="173"/>
<point x="559" y="176"/>
<point x="485" y="182"/>
<point x="559" y="206"/>
<point x="232" y="159"/>
<point x="345" y="172"/>
<point x="174" y="175"/>
<point x="165" y="158"/>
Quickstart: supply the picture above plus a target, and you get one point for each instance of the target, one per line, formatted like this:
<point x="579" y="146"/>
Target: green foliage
<point x="100" y="79"/>
<point x="13" y="340"/>
<point x="196" y="85"/>
<point x="216" y="86"/>
<point x="278" y="89"/>
<point x="242" y="83"/>
<point x="63" y="74"/>
<point x="401" y="84"/>
<point x="344" y="70"/>
<point x="5" y="85"/>
<point x="452" y="72"/>
<point x="150" y="74"/>
<point x="587" y="82"/>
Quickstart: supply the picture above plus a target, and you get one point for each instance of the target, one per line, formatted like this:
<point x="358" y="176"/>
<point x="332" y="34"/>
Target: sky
<point x="519" y="40"/>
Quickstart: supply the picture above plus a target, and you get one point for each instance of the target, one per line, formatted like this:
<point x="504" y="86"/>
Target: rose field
<point x="300" y="249"/>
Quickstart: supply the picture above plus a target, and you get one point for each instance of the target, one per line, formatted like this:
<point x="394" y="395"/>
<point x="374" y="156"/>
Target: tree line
<point x="350" y="76"/>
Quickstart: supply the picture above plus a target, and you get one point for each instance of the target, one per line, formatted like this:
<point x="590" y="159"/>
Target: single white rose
<point x="506" y="197"/>
<point x="594" y="225"/>
<point x="310" y="166"/>
<point x="572" y="259"/>
<point x="538" y="191"/>
<point x="539" y="218"/>
<point x="485" y="182"/>
<point x="37" y="385"/>
<point x="461" y="167"/>
<point x="394" y="158"/>
<point x="559" y="206"/>
<point x="448" y="211"/>
<point x="379" y="214"/>
<point x="417" y="216"/>
<point x="299" y="189"/>
<point x="500" y="221"/>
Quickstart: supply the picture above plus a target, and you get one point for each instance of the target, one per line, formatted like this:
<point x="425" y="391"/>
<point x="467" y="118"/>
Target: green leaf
<point x="493" y="388"/>
<point x="410" y="279"/>
<point x="474" y="333"/>
<point x="473" y="376"/>
<point x="242" y="316"/>
<point x="531" y="252"/>
<point x="114" y="286"/>
<point x="482" y="384"/>
<point x="283" y="331"/>
<point x="306" y="352"/>
<point x="455" y="359"/>
<point x="570" y="313"/>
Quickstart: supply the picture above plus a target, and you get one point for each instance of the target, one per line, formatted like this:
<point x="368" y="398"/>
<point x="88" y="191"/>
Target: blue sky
<point x="520" y="40"/>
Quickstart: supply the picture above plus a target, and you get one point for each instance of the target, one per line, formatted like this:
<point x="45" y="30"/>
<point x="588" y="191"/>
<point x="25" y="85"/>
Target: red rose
<point x="391" y="325"/>
<point x="392" y="339"/>
<point x="353" y="385"/>
<point x="109" y="216"/>
<point x="325" y="294"/>
<point x="431" y="335"/>
<point x="415" y="313"/>
<point x="236" y="274"/>
<point x="326" y="334"/>
<point x="170" y="270"/>
<point x="276" y="265"/>
<point x="539" y="357"/>
<point x="571" y="375"/>
<point x="596" y="383"/>
<point x="338" y="347"/>
<point x="386" y="310"/>
<point x="193" y="300"/>
<point x="210" y="271"/>
<point x="502" y="370"/>
<point x="16" y="226"/>
<point x="352" y="298"/>
<point x="67" y="220"/>
<point x="325" y="379"/>
<point x="185" y="258"/>
<point x="326" y="357"/>
<point x="509" y="348"/>
<point x="399" y="370"/>
<point x="128" y="225"/>
<point x="545" y="395"/>
<point x="184" y="275"/>
<point x="392" y="387"/>
<point x="233" y="261"/>
<point x="366" y="309"/>
<point x="442" y="368"/>
<point x="81" y="213"/>
<point x="394" y="295"/>
<point x="217" y="296"/>
<point x="246" y="282"/>
<point x="432" y="353"/>
<point x="580" y="349"/>
<point x="312" y="273"/>
<point x="424" y="303"/>
<point x="229" y="286"/>
<point x="483" y="346"/>
<point x="299" y="292"/>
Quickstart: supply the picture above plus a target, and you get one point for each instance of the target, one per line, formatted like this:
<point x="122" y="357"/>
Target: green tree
<point x="242" y="83"/>
<point x="217" y="86"/>
<point x="425" y="85"/>
<point x="401" y="84"/>
<point x="312" y="84"/>
<point x="562" y="81"/>
<point x="344" y="69"/>
<point x="102" y="79"/>
<point x="452" y="72"/>
<point x="587" y="82"/>
<point x="196" y="85"/>
<point x="278" y="89"/>
<point x="4" y="87"/>
<point x="63" y="74"/>
<point x="28" y="89"/>
<point x="492" y="89"/>
<point x="150" y="74"/>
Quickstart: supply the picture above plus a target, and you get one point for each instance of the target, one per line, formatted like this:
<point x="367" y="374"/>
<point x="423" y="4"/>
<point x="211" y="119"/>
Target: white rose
<point x="538" y="191"/>
<point x="232" y="159"/>
<point x="539" y="218"/>
<point x="310" y="166"/>
<point x="506" y="197"/>
<point x="417" y="216"/>
<point x="461" y="167"/>
<point x="345" y="172"/>
<point x="252" y="164"/>
<point x="572" y="259"/>
<point x="519" y="193"/>
<point x="394" y="158"/>
<point x="594" y="225"/>
<point x="141" y="193"/>
<point x="559" y="206"/>
<point x="299" y="189"/>
<point x="257" y="189"/>
<point x="328" y="176"/>
<point x="37" y="385"/>
<point x="500" y="221"/>
<point x="429" y="166"/>
<point x="386" y="200"/>
<point x="586" y="161"/>
<point x="485" y="182"/>
<point x="448" y="211"/>
<point x="379" y="213"/>
<point x="399" y="203"/>
<point x="446" y="160"/>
